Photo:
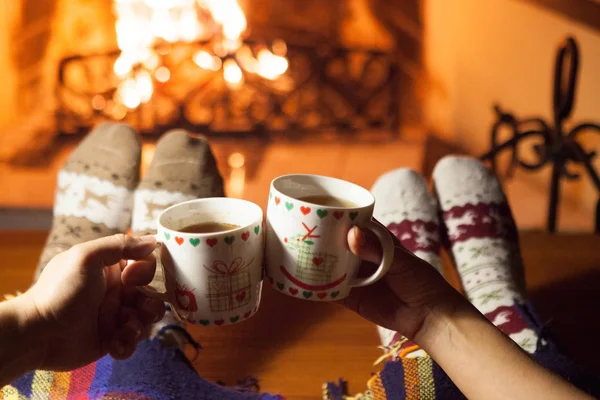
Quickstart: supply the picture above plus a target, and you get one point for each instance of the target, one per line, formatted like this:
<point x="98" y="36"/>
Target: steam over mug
<point x="214" y="278"/>
<point x="308" y="220"/>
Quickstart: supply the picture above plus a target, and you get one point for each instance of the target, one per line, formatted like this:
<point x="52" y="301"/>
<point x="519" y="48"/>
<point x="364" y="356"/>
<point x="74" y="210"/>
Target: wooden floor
<point x="294" y="346"/>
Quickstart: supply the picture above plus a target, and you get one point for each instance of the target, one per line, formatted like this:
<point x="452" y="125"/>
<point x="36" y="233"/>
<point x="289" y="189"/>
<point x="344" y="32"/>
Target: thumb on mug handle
<point x="151" y="291"/>
<point x="387" y="246"/>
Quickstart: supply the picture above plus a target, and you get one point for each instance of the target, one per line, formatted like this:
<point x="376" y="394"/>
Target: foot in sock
<point x="407" y="208"/>
<point x="483" y="241"/>
<point x="183" y="168"/>
<point x="94" y="189"/>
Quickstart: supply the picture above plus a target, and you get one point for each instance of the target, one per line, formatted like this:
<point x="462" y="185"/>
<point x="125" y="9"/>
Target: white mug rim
<point x="365" y="192"/>
<point x="256" y="221"/>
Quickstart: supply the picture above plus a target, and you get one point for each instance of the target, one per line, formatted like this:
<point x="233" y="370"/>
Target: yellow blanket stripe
<point x="42" y="383"/>
<point x="426" y="378"/>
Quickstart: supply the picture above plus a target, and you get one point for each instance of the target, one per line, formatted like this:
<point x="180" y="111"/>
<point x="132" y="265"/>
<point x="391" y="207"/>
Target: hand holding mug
<point x="212" y="252"/>
<point x="410" y="292"/>
<point x="308" y="220"/>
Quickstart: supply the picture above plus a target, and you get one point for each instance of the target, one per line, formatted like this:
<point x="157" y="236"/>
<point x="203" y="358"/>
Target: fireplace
<point x="224" y="68"/>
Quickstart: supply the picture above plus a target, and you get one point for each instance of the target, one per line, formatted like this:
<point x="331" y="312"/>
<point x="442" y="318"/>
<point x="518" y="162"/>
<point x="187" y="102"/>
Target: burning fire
<point x="141" y="25"/>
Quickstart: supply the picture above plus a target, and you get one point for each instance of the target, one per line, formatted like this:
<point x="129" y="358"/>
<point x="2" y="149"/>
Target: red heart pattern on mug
<point x="305" y="210"/>
<point x="293" y="291"/>
<point x="338" y="214"/>
<point x="277" y="200"/>
<point x="317" y="260"/>
<point x="179" y="240"/>
<point x="322" y="295"/>
<point x="211" y="242"/>
<point x="240" y="296"/>
<point x="245" y="236"/>
<point x="246" y="315"/>
<point x="219" y="322"/>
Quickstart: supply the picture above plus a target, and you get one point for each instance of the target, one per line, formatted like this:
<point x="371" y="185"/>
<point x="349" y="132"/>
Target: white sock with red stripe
<point x="483" y="240"/>
<point x="407" y="208"/>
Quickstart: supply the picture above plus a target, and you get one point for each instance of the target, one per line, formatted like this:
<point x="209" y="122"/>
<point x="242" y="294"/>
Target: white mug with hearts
<point x="215" y="278"/>
<point x="308" y="220"/>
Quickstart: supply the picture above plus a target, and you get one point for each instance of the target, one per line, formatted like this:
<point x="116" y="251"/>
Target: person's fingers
<point x="125" y="340"/>
<point x="119" y="350"/>
<point x="364" y="245"/>
<point x="112" y="275"/>
<point x="129" y="295"/>
<point x="383" y="311"/>
<point x="131" y="332"/>
<point x="108" y="312"/>
<point x="150" y="310"/>
<point x="127" y="313"/>
<point x="139" y="272"/>
<point x="111" y="250"/>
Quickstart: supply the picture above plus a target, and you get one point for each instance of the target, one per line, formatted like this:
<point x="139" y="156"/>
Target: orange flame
<point x="141" y="24"/>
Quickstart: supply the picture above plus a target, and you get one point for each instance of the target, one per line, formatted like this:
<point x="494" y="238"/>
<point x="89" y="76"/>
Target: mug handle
<point x="149" y="290"/>
<point x="387" y="245"/>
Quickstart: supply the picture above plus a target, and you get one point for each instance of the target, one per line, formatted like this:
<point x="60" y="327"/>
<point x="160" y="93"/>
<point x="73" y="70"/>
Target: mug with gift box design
<point x="308" y="220"/>
<point x="212" y="253"/>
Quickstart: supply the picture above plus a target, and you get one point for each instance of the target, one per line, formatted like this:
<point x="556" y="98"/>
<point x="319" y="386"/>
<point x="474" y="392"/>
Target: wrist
<point x="35" y="328"/>
<point x="440" y="320"/>
<point x="23" y="346"/>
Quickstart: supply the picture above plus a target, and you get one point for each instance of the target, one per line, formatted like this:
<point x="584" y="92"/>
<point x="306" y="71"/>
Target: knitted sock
<point x="483" y="240"/>
<point x="405" y="206"/>
<point x="94" y="190"/>
<point x="183" y="168"/>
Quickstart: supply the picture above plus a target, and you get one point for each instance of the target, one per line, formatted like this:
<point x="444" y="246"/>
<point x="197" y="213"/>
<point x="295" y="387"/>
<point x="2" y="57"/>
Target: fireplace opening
<point x="223" y="68"/>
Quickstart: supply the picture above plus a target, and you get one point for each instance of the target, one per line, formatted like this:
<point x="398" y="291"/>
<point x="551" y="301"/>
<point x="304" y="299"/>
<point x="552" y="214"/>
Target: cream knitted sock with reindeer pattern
<point x="94" y="189"/>
<point x="183" y="168"/>
<point x="483" y="240"/>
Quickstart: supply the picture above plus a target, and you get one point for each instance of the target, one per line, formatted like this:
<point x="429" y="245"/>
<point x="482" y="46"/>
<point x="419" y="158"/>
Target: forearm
<point x="21" y="348"/>
<point x="482" y="361"/>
